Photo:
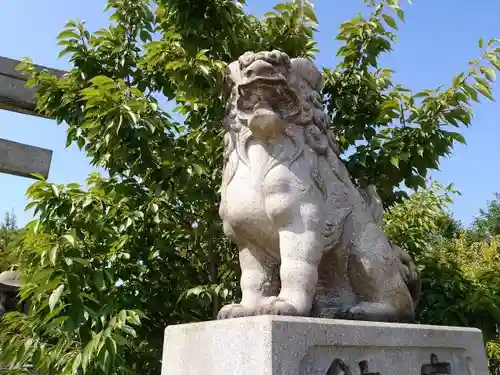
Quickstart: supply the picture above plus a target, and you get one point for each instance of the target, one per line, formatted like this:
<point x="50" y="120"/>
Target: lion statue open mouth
<point x="310" y="242"/>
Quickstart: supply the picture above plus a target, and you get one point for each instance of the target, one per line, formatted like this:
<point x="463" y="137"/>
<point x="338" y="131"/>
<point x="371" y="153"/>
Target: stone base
<point x="281" y="345"/>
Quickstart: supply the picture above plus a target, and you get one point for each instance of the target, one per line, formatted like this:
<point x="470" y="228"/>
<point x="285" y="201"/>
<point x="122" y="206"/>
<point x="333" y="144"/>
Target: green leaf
<point x="269" y="15"/>
<point x="139" y="214"/>
<point x="197" y="169"/>
<point x="145" y="36"/>
<point x="489" y="73"/>
<point x="80" y="142"/>
<point x="481" y="42"/>
<point x="395" y="160"/>
<point x="495" y="61"/>
<point x="390" y="21"/>
<point x="128" y="223"/>
<point x="134" y="318"/>
<point x="76" y="363"/>
<point x="68" y="34"/>
<point x="393" y="3"/>
<point x="458" y="79"/>
<point x="83" y="262"/>
<point x="30" y="205"/>
<point x="483" y="89"/>
<point x="38" y="176"/>
<point x="88" y="351"/>
<point x="205" y="69"/>
<point x="55" y="190"/>
<point x="390" y="104"/>
<point x="102" y="80"/>
<point x="55" y="296"/>
<point x="133" y="117"/>
<point x="400" y="14"/>
<point x="282" y="7"/>
<point x="112" y="345"/>
<point x="415" y="181"/>
<point x="70" y="239"/>
<point x="309" y="12"/>
<point x="53" y="254"/>
<point x="120" y="340"/>
<point x="472" y="92"/>
<point x="105" y="361"/>
<point x="450" y="117"/>
<point x="421" y="94"/>
<point x="458" y="137"/>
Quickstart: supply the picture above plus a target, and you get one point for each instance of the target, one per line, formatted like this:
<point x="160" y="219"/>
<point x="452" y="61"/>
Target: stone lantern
<point x="9" y="287"/>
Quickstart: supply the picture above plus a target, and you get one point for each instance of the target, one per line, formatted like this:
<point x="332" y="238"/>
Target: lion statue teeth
<point x="310" y="242"/>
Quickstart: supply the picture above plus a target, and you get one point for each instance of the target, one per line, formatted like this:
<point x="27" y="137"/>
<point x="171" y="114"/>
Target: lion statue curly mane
<point x="310" y="241"/>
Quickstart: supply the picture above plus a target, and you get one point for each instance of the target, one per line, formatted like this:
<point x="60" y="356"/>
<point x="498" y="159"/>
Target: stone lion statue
<point x="310" y="242"/>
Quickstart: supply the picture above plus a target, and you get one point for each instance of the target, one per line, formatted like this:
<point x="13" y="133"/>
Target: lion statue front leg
<point x="259" y="280"/>
<point x="300" y="250"/>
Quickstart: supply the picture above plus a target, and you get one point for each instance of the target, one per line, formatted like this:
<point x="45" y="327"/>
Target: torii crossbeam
<point x="17" y="158"/>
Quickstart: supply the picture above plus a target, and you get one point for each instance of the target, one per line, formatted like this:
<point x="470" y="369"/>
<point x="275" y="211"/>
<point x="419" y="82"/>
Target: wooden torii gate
<point x="17" y="158"/>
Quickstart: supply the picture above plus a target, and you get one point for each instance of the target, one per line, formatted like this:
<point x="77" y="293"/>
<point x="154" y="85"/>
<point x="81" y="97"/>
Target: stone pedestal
<point x="282" y="345"/>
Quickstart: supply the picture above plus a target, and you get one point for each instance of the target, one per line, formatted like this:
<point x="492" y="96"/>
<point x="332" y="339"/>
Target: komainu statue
<point x="310" y="242"/>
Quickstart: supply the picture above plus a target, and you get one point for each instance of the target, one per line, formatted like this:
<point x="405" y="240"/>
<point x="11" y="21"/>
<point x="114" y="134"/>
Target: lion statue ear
<point x="307" y="71"/>
<point x="234" y="72"/>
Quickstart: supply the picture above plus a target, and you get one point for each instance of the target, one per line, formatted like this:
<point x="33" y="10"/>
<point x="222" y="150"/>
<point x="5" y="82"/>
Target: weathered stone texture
<point x="280" y="345"/>
<point x="23" y="160"/>
<point x="309" y="239"/>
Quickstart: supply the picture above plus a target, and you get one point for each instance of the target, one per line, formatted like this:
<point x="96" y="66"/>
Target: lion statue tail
<point x="410" y="274"/>
<point x="407" y="266"/>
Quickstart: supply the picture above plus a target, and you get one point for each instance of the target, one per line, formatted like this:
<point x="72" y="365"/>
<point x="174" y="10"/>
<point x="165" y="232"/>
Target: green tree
<point x="488" y="221"/>
<point x="419" y="223"/>
<point x="8" y="233"/>
<point x="107" y="268"/>
<point x="450" y="268"/>
<point x="459" y="276"/>
<point x="450" y="227"/>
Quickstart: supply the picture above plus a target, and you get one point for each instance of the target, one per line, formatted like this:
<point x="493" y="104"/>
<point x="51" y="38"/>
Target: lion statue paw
<point x="234" y="310"/>
<point x="275" y="306"/>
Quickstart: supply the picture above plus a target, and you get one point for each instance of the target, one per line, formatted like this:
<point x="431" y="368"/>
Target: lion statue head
<point x="269" y="92"/>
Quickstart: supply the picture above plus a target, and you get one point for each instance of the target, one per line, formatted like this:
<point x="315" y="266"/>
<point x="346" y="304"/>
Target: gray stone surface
<point x="10" y="279"/>
<point x="14" y="96"/>
<point x="309" y="239"/>
<point x="23" y="160"/>
<point x="9" y="286"/>
<point x="283" y="345"/>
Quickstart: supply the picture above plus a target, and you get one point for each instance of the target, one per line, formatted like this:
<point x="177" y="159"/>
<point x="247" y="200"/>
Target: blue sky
<point x="435" y="43"/>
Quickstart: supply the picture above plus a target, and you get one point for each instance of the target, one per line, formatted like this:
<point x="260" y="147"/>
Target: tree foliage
<point x="487" y="223"/>
<point x="108" y="267"/>
<point x="417" y="223"/>
<point x="397" y="135"/>
<point x="8" y="234"/>
<point x="459" y="270"/>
